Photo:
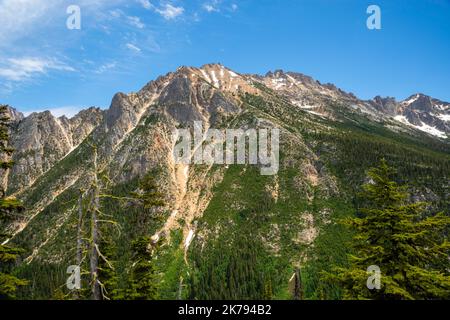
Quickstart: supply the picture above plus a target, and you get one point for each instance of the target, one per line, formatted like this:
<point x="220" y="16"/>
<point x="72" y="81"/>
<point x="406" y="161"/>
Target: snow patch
<point x="424" y="127"/>
<point x="279" y="83"/>
<point x="214" y="78"/>
<point x="444" y="117"/>
<point x="189" y="239"/>
<point x="292" y="79"/>
<point x="232" y="74"/>
<point x="307" y="107"/>
<point x="413" y="99"/>
<point x="402" y="119"/>
<point x="431" y="130"/>
<point x="205" y="75"/>
<point x="316" y="113"/>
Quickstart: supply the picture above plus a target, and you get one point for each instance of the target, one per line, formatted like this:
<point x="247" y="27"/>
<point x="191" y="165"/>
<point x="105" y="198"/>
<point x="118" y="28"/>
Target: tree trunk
<point x="180" y="289"/>
<point x="96" y="290"/>
<point x="295" y="285"/>
<point x="298" y="291"/>
<point x="79" y="235"/>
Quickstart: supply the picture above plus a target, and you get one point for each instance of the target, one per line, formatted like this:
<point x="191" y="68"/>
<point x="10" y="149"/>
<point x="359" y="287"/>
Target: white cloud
<point x="170" y="12"/>
<point x="212" y="6"/>
<point x="20" y="69"/>
<point x="133" y="47"/>
<point x="219" y="6"/>
<point x="20" y="16"/>
<point x="116" y="13"/>
<point x="167" y="10"/>
<point x="135" y="21"/>
<point x="131" y="20"/>
<point x="105" y="67"/>
<point x="146" y="4"/>
<point x="209" y="8"/>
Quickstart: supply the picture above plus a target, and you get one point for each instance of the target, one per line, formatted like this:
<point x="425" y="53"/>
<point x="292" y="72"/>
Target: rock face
<point x="419" y="111"/>
<point x="41" y="140"/>
<point x="14" y="115"/>
<point x="386" y="105"/>
<point x="136" y="135"/>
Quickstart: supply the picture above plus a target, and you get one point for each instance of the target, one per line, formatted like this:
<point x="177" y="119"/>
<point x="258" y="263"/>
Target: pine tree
<point x="268" y="291"/>
<point x="143" y="274"/>
<point x="8" y="207"/>
<point x="411" y="250"/>
<point x="143" y="278"/>
<point x="148" y="195"/>
<point x="147" y="198"/>
<point x="107" y="274"/>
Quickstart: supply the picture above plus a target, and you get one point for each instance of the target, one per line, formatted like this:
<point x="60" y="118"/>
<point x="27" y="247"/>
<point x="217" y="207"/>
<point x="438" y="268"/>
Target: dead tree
<point x="94" y="243"/>
<point x="79" y="257"/>
<point x="80" y="229"/>
<point x="296" y="285"/>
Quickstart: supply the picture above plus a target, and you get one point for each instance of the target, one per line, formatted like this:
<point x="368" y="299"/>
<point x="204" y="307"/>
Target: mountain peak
<point x="214" y="65"/>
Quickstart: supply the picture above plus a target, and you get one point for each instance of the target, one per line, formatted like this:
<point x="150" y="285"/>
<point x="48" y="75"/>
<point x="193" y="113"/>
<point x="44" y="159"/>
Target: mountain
<point x="226" y="231"/>
<point x="41" y="140"/>
<point x="418" y="111"/>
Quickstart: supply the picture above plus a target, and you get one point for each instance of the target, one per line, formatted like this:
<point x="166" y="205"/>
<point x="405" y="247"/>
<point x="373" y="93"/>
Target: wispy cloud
<point x="219" y="6"/>
<point x="135" y="21"/>
<point x="18" y="17"/>
<point x="35" y="45"/>
<point x="166" y="10"/>
<point x="105" y="67"/>
<point x="211" y="6"/>
<point x="131" y="20"/>
<point x="20" y="69"/>
<point x="170" y="12"/>
<point x="146" y="4"/>
<point x="132" y="47"/>
<point x="22" y="18"/>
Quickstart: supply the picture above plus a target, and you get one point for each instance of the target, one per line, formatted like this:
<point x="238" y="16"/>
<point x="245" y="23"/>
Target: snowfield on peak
<point x="424" y="127"/>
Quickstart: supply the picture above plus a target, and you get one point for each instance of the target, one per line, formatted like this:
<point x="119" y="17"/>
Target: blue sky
<point x="123" y="44"/>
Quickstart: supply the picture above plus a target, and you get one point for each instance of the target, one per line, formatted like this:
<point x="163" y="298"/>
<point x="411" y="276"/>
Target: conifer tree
<point x="8" y="208"/>
<point x="143" y="274"/>
<point x="268" y="291"/>
<point x="411" y="250"/>
<point x="148" y="195"/>
<point x="147" y="198"/>
<point x="107" y="273"/>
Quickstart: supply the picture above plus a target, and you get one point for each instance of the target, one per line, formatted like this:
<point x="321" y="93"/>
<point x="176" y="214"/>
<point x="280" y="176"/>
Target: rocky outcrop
<point x="41" y="140"/>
